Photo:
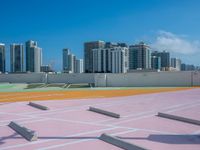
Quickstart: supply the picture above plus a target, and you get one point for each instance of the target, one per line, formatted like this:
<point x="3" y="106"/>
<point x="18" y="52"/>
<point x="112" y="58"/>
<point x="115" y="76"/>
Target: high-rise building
<point x="2" y="58"/>
<point x="176" y="63"/>
<point x="74" y="64"/>
<point x="79" y="66"/>
<point x="102" y="60"/>
<point x="119" y="60"/>
<point x="156" y="62"/>
<point x="69" y="61"/>
<point x="139" y="56"/>
<point x="110" y="60"/>
<point x="187" y="67"/>
<point x="183" y="67"/>
<point x="66" y="53"/>
<point x="190" y="67"/>
<point x="33" y="57"/>
<point x="88" y="54"/>
<point x="165" y="59"/>
<point x="173" y="62"/>
<point x="16" y="58"/>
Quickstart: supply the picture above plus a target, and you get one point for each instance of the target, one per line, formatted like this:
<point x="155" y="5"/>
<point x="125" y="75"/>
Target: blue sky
<point x="56" y="24"/>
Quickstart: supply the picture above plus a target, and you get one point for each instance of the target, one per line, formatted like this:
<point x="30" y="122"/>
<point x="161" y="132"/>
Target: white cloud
<point x="175" y="43"/>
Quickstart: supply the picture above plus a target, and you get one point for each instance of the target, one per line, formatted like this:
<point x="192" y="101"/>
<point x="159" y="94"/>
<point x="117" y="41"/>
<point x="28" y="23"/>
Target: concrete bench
<point x="178" y="118"/>
<point x="104" y="112"/>
<point x="120" y="143"/>
<point x="38" y="106"/>
<point x="26" y="133"/>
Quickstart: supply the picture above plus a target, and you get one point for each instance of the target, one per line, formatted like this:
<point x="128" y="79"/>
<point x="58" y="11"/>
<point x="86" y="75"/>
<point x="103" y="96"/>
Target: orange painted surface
<point x="84" y="94"/>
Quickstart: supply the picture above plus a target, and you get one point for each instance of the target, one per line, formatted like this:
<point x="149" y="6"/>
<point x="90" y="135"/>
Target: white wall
<point x="196" y="78"/>
<point x="100" y="80"/>
<point x="70" y="78"/>
<point x="23" y="78"/>
<point x="141" y="79"/>
<point x="149" y="79"/>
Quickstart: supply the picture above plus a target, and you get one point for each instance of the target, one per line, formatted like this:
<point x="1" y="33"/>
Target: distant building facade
<point x="79" y="66"/>
<point x="33" y="57"/>
<point x="139" y="56"/>
<point x="110" y="60"/>
<point x="46" y="68"/>
<point x="155" y="62"/>
<point x="176" y="63"/>
<point x="2" y="58"/>
<point x="16" y="58"/>
<point x="88" y="54"/>
<point x="119" y="60"/>
<point x="190" y="67"/>
<point x="183" y="67"/>
<point x="165" y="59"/>
<point x="70" y="62"/>
<point x="65" y="55"/>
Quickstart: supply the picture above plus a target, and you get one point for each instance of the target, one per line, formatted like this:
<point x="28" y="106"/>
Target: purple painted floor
<point x="69" y="125"/>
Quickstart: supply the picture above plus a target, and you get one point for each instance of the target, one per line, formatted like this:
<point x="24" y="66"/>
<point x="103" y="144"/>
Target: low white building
<point x="175" y="64"/>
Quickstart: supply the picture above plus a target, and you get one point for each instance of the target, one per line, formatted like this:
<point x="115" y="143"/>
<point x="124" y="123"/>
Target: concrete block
<point x="178" y="118"/>
<point x="119" y="143"/>
<point x="104" y="112"/>
<point x="26" y="133"/>
<point x="38" y="106"/>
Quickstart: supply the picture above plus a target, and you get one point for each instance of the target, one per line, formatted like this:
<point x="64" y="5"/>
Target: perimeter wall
<point x="136" y="79"/>
<point x="150" y="79"/>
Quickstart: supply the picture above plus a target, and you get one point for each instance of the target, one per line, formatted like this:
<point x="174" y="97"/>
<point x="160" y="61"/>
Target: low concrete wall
<point x="100" y="80"/>
<point x="142" y="79"/>
<point x="70" y="78"/>
<point x="23" y="78"/>
<point x="148" y="79"/>
<point x="196" y="78"/>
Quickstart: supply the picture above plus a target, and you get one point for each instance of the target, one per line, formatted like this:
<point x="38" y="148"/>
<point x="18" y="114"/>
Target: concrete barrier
<point x="136" y="79"/>
<point x="23" y="78"/>
<point x="104" y="112"/>
<point x="26" y="133"/>
<point x="119" y="143"/>
<point x="38" y="106"/>
<point x="178" y="118"/>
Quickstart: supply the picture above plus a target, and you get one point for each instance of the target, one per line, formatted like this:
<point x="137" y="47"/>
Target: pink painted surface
<point x="69" y="125"/>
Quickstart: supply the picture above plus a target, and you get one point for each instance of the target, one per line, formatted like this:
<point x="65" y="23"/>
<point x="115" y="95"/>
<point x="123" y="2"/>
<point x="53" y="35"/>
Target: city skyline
<point x="129" y="21"/>
<point x="100" y="57"/>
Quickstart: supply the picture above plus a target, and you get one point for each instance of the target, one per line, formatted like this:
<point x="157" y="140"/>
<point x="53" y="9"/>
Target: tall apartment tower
<point x="2" y="58"/>
<point x="79" y="66"/>
<point x="16" y="58"/>
<point x="165" y="59"/>
<point x="156" y="62"/>
<point x="66" y="53"/>
<point x="173" y="62"/>
<point x="110" y="60"/>
<point x="33" y="57"/>
<point x="119" y="60"/>
<point x="68" y="61"/>
<point x="88" y="54"/>
<point x="139" y="56"/>
<point x="102" y="60"/>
